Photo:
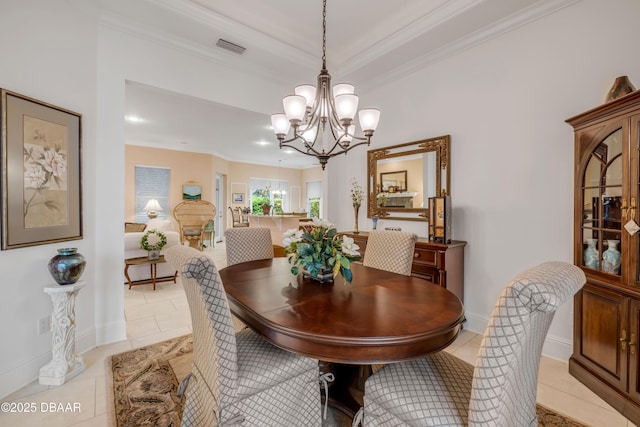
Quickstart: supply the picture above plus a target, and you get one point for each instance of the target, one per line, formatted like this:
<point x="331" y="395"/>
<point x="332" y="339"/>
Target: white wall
<point x="48" y="53"/>
<point x="504" y="104"/>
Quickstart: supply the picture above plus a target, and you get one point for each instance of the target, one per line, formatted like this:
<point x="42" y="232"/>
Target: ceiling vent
<point x="230" y="46"/>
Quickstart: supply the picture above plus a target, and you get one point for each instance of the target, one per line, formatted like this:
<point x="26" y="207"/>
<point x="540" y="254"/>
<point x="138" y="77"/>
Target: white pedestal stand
<point x="65" y="364"/>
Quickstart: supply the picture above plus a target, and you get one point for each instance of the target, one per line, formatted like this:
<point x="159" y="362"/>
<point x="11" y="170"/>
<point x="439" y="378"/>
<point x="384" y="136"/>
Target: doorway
<point x="221" y="207"/>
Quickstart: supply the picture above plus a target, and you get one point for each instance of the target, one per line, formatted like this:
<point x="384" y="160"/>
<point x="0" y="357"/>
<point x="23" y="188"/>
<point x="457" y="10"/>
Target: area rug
<point x="142" y="388"/>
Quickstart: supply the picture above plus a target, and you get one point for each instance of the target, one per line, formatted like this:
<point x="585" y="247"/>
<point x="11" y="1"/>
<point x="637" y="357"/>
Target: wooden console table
<point x="442" y="264"/>
<point x="153" y="266"/>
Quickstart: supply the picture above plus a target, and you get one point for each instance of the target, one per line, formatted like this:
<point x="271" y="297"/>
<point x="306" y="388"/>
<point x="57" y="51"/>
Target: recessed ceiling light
<point x="263" y="142"/>
<point x="184" y="143"/>
<point x="134" y="119"/>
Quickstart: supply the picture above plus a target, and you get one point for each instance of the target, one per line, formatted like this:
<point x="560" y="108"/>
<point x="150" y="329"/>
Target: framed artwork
<point x="238" y="198"/>
<point x="41" y="180"/>
<point x="191" y="192"/>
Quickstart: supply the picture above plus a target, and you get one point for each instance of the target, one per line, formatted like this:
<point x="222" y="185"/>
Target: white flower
<point x="34" y="176"/>
<point x="357" y="193"/>
<point x="291" y="236"/>
<point x="349" y="247"/>
<point x="322" y="223"/>
<point x="54" y="163"/>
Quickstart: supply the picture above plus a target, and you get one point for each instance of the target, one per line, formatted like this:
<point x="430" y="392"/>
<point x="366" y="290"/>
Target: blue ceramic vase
<point x="590" y="254"/>
<point x="67" y="267"/>
<point x="611" y="258"/>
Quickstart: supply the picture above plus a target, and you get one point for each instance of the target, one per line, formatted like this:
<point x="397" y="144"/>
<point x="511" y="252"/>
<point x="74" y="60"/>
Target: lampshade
<point x="280" y="124"/>
<point x="152" y="207"/>
<point x="294" y="107"/>
<point x="346" y="107"/>
<point x="309" y="93"/>
<point x="369" y="119"/>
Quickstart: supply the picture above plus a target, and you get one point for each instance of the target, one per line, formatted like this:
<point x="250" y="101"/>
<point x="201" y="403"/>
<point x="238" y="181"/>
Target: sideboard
<point x="441" y="264"/>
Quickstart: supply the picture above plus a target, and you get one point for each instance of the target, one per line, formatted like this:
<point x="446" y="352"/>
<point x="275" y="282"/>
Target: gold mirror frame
<point x="441" y="176"/>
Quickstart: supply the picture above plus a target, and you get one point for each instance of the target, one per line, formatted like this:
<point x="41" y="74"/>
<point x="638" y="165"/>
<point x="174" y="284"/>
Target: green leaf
<point x="348" y="275"/>
<point x="344" y="262"/>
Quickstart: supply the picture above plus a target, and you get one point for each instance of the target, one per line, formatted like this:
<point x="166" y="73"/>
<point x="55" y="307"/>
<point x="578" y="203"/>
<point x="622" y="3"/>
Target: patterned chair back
<point x="390" y="250"/>
<point x="248" y="244"/>
<point x="506" y="370"/>
<point x="214" y="339"/>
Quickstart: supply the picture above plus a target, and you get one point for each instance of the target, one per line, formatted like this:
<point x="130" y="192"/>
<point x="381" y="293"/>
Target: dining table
<point x="378" y="318"/>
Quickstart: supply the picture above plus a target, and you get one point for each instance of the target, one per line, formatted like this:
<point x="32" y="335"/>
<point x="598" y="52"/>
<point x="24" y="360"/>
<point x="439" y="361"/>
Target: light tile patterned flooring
<point x="153" y="316"/>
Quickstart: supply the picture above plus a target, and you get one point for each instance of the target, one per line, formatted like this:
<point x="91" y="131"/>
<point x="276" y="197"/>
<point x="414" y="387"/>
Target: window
<point x="314" y="198"/>
<point x="152" y="183"/>
<point x="271" y="192"/>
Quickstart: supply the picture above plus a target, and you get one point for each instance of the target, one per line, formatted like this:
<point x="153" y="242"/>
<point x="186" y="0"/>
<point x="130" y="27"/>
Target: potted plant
<point x="153" y="241"/>
<point x="321" y="252"/>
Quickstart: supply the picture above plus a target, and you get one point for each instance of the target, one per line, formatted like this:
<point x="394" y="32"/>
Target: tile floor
<point x="153" y="316"/>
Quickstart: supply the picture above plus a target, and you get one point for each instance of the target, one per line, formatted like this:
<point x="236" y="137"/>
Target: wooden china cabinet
<point x="607" y="197"/>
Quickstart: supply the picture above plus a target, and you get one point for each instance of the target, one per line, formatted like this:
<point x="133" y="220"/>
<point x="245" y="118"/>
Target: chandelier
<point x="321" y="119"/>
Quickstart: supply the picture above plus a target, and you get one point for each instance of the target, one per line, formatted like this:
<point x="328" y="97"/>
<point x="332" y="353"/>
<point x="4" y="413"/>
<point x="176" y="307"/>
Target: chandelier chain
<point x="324" y="34"/>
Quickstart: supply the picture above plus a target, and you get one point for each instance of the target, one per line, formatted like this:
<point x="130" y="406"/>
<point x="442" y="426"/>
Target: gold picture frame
<point x="41" y="180"/>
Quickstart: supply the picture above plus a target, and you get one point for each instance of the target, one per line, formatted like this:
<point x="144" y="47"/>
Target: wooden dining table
<point x="380" y="317"/>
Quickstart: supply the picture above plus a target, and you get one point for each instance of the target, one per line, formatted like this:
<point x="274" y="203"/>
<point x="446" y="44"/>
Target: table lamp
<point x="152" y="207"/>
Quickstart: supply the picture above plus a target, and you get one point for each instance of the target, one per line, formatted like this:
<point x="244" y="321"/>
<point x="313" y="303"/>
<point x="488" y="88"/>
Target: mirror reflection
<point x="402" y="178"/>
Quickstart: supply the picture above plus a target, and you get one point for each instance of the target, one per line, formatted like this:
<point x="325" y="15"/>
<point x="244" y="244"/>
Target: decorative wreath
<point x="157" y="241"/>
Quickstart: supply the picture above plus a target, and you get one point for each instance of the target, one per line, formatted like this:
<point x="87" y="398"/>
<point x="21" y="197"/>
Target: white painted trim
<point x="496" y="29"/>
<point x="111" y="332"/>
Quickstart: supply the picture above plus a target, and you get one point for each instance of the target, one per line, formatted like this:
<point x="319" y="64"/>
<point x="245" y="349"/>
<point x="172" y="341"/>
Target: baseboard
<point x="554" y="347"/>
<point x="28" y="372"/>
<point x="111" y="332"/>
<point x="23" y="374"/>
<point x="85" y="340"/>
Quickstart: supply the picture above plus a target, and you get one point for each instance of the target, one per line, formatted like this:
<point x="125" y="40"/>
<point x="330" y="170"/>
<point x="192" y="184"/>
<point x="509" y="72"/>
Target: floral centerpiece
<point x="320" y="250"/>
<point x="153" y="241"/>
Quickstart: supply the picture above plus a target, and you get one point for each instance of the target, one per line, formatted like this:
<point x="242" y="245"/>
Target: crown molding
<point x="408" y="33"/>
<point x="498" y="28"/>
<point x="288" y="63"/>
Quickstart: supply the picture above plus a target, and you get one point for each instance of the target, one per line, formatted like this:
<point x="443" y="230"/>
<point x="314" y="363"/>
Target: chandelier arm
<point x="346" y="150"/>
<point x="284" y="144"/>
<point x="308" y="147"/>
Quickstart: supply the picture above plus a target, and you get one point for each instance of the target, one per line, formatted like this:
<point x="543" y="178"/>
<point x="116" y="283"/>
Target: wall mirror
<point x="401" y="178"/>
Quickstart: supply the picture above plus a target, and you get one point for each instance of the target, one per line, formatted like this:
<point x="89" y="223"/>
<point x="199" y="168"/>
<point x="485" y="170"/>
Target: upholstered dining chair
<point x="238" y="379"/>
<point x="501" y="389"/>
<point x="237" y="218"/>
<point x="390" y="250"/>
<point x="244" y="245"/>
<point x="192" y="217"/>
<point x="248" y="244"/>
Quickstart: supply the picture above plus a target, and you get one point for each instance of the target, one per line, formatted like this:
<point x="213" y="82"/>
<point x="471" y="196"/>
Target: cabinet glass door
<point x="603" y="206"/>
<point x="634" y="237"/>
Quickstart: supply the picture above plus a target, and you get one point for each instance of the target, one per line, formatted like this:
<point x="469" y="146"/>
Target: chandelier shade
<point x="321" y="117"/>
